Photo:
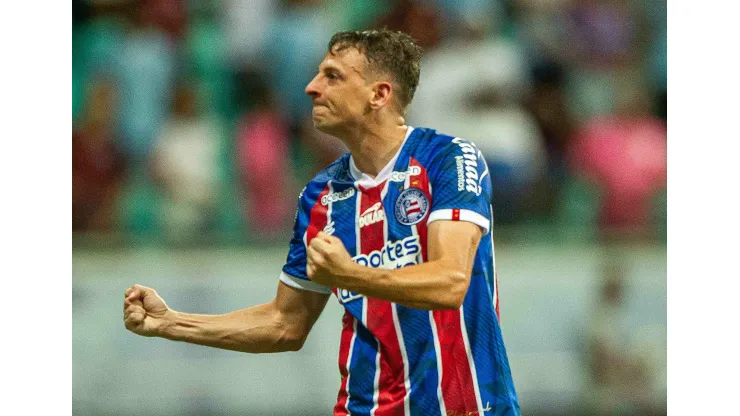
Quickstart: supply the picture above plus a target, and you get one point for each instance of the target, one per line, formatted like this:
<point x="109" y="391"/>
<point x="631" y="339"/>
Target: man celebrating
<point x="399" y="230"/>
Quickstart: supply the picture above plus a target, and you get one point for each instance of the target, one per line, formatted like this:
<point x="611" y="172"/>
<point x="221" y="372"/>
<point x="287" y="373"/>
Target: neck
<point x="372" y="147"/>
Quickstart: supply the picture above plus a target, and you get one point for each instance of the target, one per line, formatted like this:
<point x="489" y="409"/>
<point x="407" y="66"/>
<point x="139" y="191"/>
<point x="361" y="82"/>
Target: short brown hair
<point x="395" y="53"/>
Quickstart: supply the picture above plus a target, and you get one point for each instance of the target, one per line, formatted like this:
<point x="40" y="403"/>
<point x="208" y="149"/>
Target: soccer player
<point x="399" y="231"/>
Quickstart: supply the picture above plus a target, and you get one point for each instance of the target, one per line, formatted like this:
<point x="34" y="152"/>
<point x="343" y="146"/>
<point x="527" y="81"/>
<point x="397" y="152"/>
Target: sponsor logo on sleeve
<point x="467" y="167"/>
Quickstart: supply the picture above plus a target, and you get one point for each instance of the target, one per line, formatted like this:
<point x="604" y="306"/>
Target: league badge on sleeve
<point x="411" y="206"/>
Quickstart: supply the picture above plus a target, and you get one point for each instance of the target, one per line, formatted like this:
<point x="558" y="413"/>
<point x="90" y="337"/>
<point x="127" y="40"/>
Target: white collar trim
<point x="367" y="181"/>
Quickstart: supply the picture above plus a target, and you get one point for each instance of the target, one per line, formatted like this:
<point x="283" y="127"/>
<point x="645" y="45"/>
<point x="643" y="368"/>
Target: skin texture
<point x="357" y="105"/>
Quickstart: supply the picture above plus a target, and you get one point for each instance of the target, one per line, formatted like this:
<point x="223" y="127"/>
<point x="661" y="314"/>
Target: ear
<point x="382" y="94"/>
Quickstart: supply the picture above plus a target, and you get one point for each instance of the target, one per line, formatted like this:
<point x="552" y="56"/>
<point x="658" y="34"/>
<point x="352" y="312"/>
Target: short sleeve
<point x="461" y="185"/>
<point x="294" y="271"/>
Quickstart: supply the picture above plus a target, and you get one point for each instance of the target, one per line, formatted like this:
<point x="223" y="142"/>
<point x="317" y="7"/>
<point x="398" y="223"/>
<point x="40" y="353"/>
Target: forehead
<point x="345" y="60"/>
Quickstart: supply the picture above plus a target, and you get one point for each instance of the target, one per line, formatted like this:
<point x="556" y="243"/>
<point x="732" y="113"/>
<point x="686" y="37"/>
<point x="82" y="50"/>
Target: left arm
<point x="440" y="283"/>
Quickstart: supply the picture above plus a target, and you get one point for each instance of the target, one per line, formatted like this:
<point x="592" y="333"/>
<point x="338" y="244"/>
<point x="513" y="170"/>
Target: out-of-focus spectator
<point x="263" y="152"/>
<point x="246" y="24"/>
<point x="298" y="39"/>
<point x="146" y="69"/>
<point x="480" y="101"/>
<point x="419" y="19"/>
<point x="97" y="163"/>
<point x="546" y="103"/>
<point x="625" y="155"/>
<point x="98" y="35"/>
<point x="539" y="24"/>
<point x="170" y="16"/>
<point x="186" y="168"/>
<point x="324" y="149"/>
<point x="359" y="14"/>
<point x="619" y="380"/>
<point x="606" y="41"/>
<point x="207" y="50"/>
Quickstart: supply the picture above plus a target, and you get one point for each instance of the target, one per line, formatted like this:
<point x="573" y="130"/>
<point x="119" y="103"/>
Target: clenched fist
<point x="328" y="260"/>
<point x="144" y="312"/>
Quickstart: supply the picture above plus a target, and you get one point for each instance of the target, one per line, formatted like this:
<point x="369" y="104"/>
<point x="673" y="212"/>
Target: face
<point x="341" y="91"/>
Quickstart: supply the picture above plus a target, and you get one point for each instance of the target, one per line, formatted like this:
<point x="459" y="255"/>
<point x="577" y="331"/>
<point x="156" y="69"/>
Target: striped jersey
<point x="393" y="359"/>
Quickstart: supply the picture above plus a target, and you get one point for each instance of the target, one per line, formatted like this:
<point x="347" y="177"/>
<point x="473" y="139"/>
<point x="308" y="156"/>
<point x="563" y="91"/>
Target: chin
<point x="324" y="127"/>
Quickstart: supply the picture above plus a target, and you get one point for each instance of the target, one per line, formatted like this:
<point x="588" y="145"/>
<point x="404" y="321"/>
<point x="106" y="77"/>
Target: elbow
<point x="455" y="294"/>
<point x="293" y="345"/>
<point x="293" y="340"/>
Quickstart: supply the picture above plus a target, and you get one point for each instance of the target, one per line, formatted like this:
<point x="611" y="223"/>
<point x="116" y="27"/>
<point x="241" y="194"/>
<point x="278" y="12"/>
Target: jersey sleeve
<point x="461" y="185"/>
<point x="294" y="271"/>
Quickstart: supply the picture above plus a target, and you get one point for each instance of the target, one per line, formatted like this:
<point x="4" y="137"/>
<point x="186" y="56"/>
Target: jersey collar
<point x="366" y="181"/>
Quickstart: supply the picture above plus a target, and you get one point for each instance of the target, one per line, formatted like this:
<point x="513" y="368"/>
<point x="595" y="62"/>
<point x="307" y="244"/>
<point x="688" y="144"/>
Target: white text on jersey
<point x="372" y="215"/>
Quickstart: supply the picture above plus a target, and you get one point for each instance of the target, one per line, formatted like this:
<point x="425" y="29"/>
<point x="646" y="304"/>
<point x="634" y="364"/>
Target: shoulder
<point x="432" y="146"/>
<point x="336" y="171"/>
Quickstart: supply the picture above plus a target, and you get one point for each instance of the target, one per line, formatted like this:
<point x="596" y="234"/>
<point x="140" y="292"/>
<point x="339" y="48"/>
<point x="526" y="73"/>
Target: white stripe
<point x="432" y="324"/>
<point x="438" y="351"/>
<point x="358" y="242"/>
<point x="464" y="332"/>
<point x="493" y="260"/>
<point x="349" y="360"/>
<point x="376" y="393"/>
<point x="376" y="384"/>
<point x="358" y="206"/>
<point x="329" y="206"/>
<point x="406" y="378"/>
<point x="397" y="325"/>
<point x="465" y="215"/>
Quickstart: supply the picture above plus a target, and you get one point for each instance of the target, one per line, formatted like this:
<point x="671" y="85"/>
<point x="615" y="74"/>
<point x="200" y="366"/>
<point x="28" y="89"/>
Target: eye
<point x="331" y="75"/>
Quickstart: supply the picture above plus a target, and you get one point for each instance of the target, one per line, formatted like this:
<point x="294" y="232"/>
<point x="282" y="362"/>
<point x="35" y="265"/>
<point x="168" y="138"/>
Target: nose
<point x="312" y="88"/>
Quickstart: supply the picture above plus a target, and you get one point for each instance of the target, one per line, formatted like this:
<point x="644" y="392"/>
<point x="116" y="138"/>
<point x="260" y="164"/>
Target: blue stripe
<point x="295" y="263"/>
<point x="362" y="367"/>
<point x="362" y="361"/>
<point x="423" y="371"/>
<point x="484" y="335"/>
<point x="415" y="326"/>
<point x="342" y="212"/>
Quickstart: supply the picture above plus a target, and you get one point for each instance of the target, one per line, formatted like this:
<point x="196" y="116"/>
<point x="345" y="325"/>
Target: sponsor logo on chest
<point x="372" y="215"/>
<point x="401" y="176"/>
<point x="337" y="196"/>
<point x="393" y="255"/>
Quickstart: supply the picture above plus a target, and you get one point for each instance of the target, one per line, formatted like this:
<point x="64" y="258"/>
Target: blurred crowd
<point x="190" y="118"/>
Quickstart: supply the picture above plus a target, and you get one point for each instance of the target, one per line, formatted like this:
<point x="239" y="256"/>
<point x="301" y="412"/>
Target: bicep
<point x="299" y="308"/>
<point x="454" y="243"/>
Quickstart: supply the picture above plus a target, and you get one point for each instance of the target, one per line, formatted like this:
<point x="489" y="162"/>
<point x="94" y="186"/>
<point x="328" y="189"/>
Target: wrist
<point x="355" y="277"/>
<point x="166" y="324"/>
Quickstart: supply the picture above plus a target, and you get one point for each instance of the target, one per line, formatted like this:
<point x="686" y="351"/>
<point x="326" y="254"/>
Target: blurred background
<point x="192" y="138"/>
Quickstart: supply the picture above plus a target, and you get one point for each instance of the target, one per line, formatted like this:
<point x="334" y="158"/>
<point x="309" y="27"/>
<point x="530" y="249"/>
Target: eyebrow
<point x="325" y="67"/>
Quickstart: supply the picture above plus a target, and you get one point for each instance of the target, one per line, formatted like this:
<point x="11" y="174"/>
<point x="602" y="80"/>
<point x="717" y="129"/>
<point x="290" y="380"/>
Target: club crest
<point x="411" y="206"/>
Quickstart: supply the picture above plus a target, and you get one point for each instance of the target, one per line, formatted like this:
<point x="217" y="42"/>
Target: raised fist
<point x="144" y="312"/>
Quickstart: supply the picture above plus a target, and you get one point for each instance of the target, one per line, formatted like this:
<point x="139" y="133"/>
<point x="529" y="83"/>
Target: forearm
<point x="429" y="286"/>
<point x="257" y="329"/>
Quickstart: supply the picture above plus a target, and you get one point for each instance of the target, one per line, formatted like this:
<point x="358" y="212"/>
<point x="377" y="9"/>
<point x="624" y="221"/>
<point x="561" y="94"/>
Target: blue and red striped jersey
<point x="393" y="359"/>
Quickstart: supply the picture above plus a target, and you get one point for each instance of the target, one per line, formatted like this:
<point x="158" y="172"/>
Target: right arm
<point x="280" y="325"/>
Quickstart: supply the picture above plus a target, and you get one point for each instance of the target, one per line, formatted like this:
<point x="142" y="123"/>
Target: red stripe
<point x="380" y="321"/>
<point x="421" y="181"/>
<point x="346" y="339"/>
<point x="455" y="214"/>
<point x="458" y="391"/>
<point x="318" y="217"/>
